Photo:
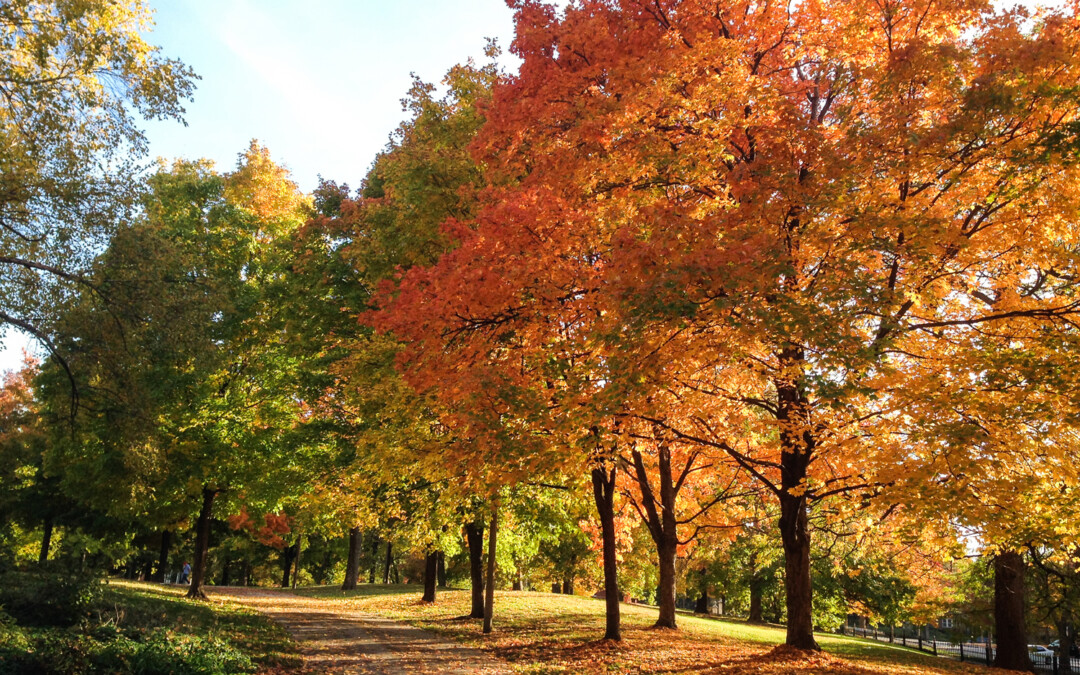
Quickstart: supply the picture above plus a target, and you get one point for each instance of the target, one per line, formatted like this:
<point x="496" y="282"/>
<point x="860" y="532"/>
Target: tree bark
<point x="296" y="559"/>
<point x="702" y="604"/>
<point x="431" y="575"/>
<point x="352" y="563"/>
<point x="568" y="584"/>
<point x="489" y="585"/>
<point x="374" y="558"/>
<point x="795" y="536"/>
<point x="663" y="528"/>
<point x="287" y="555"/>
<point x="224" y="580"/>
<point x="1065" y="645"/>
<point x="756" y="615"/>
<point x="46" y="540"/>
<point x="603" y="482"/>
<point x="1012" y="651"/>
<point x="440" y="570"/>
<point x="474" y="537"/>
<point x="797" y="444"/>
<point x="389" y="562"/>
<point x="163" y="556"/>
<point x="202" y="544"/>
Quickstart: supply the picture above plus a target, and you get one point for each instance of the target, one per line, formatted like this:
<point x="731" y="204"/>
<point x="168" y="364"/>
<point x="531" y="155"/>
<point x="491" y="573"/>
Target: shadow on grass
<point x="149" y="606"/>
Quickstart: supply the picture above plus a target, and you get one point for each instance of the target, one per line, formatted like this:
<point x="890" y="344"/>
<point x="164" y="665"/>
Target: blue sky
<point x="318" y="82"/>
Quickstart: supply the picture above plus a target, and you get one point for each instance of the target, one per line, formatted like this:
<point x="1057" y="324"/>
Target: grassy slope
<point x="542" y="632"/>
<point x="147" y="605"/>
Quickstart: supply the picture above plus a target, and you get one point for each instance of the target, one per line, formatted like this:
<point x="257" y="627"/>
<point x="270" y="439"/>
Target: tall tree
<point x="779" y="206"/>
<point x="77" y="76"/>
<point x="188" y="395"/>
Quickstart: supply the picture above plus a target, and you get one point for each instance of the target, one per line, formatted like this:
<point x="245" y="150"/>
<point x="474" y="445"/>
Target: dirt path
<point x="337" y="639"/>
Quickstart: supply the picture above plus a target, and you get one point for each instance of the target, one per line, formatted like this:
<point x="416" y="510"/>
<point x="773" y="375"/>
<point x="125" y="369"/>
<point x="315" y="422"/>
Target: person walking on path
<point x="185" y="574"/>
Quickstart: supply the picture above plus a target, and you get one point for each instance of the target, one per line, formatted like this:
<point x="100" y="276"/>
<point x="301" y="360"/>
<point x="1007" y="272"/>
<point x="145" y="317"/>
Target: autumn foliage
<point x="773" y="231"/>
<point x="700" y="297"/>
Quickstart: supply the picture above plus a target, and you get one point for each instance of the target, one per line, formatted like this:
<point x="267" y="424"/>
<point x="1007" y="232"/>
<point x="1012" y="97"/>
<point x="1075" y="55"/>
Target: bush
<point x="48" y="598"/>
<point x="163" y="653"/>
<point x="158" y="653"/>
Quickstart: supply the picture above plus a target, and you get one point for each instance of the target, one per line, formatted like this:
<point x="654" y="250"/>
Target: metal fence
<point x="977" y="652"/>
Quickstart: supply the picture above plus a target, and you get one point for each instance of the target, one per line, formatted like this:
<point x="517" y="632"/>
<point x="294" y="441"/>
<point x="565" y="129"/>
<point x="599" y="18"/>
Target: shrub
<point x="48" y="598"/>
<point x="60" y="652"/>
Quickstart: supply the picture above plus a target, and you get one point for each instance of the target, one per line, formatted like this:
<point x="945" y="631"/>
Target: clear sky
<point x="318" y="82"/>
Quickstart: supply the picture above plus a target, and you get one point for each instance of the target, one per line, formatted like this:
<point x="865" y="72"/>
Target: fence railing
<point x="977" y="652"/>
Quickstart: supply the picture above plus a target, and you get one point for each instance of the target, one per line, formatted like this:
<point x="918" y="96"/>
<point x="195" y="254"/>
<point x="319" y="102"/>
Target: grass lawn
<point x="547" y="633"/>
<point x="149" y="605"/>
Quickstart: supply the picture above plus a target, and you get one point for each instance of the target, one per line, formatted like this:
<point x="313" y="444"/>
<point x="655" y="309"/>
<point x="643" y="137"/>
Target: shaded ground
<point x="545" y="633"/>
<point x="336" y="638"/>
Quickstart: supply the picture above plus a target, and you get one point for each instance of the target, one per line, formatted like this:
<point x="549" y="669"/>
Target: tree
<point x="779" y="206"/>
<point x="188" y="394"/>
<point x="75" y="76"/>
<point x="30" y="496"/>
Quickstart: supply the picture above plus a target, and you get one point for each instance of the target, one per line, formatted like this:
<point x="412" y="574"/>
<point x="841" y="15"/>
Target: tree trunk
<point x="389" y="561"/>
<point x="474" y="537"/>
<point x="148" y="569"/>
<point x="46" y="540"/>
<point x="756" y="583"/>
<point x="1012" y="651"/>
<point x="489" y="585"/>
<point x="1065" y="645"/>
<point x="163" y="556"/>
<point x="202" y="545"/>
<point x="296" y="560"/>
<point x="568" y="584"/>
<point x="797" y="444"/>
<point x="224" y="580"/>
<point x="287" y="555"/>
<point x="603" y="482"/>
<point x="440" y="570"/>
<point x="374" y="558"/>
<point x="795" y="536"/>
<point x="756" y="615"/>
<point x="431" y="575"/>
<point x="702" y="604"/>
<point x="352" y="563"/>
<point x="663" y="528"/>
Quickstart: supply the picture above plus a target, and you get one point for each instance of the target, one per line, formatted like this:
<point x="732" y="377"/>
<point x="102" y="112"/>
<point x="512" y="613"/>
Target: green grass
<point x="133" y="604"/>
<point x="543" y="632"/>
<point x="137" y="627"/>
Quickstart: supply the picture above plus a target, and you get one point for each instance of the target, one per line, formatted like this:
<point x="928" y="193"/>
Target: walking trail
<point x="335" y="638"/>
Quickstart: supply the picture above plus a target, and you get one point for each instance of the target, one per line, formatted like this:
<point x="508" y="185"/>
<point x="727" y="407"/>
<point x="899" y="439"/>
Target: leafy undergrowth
<point x="154" y="605"/>
<point x="546" y="633"/>
<point x="133" y="627"/>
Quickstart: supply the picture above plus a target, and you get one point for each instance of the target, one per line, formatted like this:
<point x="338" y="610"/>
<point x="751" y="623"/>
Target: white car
<point x="1041" y="655"/>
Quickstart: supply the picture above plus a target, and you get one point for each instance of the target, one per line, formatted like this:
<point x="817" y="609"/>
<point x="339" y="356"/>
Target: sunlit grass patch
<point x="149" y="605"/>
<point x="548" y="633"/>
